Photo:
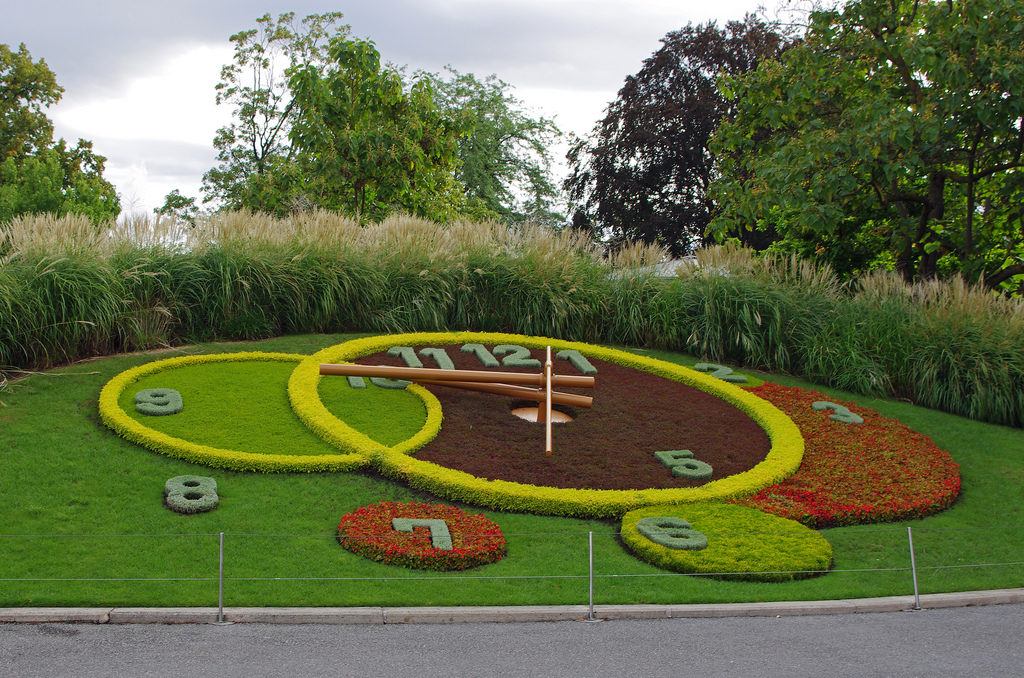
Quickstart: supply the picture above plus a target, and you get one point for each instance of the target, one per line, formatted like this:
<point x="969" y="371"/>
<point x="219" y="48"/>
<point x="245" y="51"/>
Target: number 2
<point x="518" y="356"/>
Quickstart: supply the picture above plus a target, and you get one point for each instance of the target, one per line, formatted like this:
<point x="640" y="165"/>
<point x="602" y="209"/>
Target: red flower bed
<point x="368" y="531"/>
<point x="876" y="471"/>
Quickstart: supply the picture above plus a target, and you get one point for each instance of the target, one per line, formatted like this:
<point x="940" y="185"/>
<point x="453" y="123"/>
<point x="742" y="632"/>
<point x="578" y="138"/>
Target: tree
<point x="179" y="207"/>
<point x="27" y="88"/>
<point x="37" y="174"/>
<point x="311" y="104"/>
<point x="644" y="173"/>
<point x="367" y="144"/>
<point x="891" y="136"/>
<point x="255" y="154"/>
<point x="504" y="161"/>
<point x="57" y="180"/>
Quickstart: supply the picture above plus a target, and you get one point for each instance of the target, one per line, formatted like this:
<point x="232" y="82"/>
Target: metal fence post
<point x="590" y="546"/>
<point x="220" y="581"/>
<point x="913" y="568"/>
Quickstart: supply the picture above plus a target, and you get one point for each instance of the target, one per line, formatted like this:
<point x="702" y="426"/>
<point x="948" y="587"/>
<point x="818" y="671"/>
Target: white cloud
<point x="174" y="103"/>
<point x="157" y="130"/>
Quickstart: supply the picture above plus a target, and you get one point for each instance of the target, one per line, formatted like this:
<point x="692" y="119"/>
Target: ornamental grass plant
<point x="70" y="290"/>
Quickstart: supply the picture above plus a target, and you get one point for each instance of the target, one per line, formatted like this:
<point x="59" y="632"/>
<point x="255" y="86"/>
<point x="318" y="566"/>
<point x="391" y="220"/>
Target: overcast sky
<point x="139" y="76"/>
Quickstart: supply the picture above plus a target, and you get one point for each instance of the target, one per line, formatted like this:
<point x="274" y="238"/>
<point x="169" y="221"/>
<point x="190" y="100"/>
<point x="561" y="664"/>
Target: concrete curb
<point x="532" y="613"/>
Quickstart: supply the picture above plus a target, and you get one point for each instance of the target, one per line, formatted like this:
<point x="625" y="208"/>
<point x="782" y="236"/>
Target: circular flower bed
<point x="152" y="434"/>
<point x="876" y="471"/>
<point x="381" y="532"/>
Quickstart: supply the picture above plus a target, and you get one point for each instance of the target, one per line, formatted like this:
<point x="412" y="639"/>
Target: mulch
<point x="609" y="446"/>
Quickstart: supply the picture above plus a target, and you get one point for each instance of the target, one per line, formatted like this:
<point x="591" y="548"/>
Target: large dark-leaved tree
<point x="644" y="172"/>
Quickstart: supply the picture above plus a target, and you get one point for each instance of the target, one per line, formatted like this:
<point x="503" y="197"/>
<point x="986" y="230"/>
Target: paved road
<point x="977" y="642"/>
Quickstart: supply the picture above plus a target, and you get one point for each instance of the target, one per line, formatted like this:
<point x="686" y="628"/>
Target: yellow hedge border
<point x="304" y="396"/>
<point x="743" y="543"/>
<point x="132" y="430"/>
<point x="782" y="461"/>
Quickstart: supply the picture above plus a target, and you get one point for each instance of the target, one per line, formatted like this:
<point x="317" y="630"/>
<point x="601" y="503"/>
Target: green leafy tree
<point x="644" y="173"/>
<point x="319" y="122"/>
<point x="368" y="145"/>
<point x="256" y="157"/>
<point x="37" y="174"/>
<point x="891" y="136"/>
<point x="504" y="157"/>
<point x="180" y="207"/>
<point x="27" y="88"/>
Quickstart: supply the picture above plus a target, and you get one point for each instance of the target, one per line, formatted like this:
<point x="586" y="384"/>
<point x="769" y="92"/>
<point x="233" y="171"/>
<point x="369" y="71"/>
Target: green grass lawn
<point x="64" y="473"/>
<point x="244" y="406"/>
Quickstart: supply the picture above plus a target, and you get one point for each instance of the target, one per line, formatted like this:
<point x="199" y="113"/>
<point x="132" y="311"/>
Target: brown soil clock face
<point x="609" y="446"/>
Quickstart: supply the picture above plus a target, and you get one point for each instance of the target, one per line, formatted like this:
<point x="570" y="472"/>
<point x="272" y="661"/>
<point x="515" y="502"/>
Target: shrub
<point x="191" y="494"/>
<point x="68" y="292"/>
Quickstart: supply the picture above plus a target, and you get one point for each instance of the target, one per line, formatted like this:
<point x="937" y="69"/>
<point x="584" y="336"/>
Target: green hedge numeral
<point x="191" y="494"/>
<point x="407" y="354"/>
<point x="577" y="360"/>
<point x="683" y="464"/>
<point x="440" y="537"/>
<point x="158" y="402"/>
<point x="721" y="372"/>
<point x="482" y="354"/>
<point x="356" y="382"/>
<point x="674" y="533"/>
<point x="440" y="356"/>
<point x="839" y="413"/>
<point x="518" y="356"/>
<point x="389" y="383"/>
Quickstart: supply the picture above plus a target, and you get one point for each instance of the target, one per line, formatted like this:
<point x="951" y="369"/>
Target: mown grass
<point x="244" y="406"/>
<point x="69" y="291"/>
<point x="66" y="474"/>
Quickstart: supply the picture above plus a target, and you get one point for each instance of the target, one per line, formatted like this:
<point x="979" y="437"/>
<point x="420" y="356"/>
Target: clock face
<point x="610" y="458"/>
<point x="609" y="446"/>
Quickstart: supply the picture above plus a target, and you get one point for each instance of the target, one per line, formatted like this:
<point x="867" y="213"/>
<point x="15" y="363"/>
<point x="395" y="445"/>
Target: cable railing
<point x="595" y="574"/>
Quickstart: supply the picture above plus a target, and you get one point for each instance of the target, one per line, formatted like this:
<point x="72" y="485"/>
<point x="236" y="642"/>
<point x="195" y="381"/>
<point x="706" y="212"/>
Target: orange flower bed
<point x="369" y="532"/>
<point x="877" y="471"/>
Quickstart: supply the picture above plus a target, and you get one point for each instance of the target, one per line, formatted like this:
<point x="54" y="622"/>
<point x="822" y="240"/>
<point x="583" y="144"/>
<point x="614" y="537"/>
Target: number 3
<point x="840" y="413"/>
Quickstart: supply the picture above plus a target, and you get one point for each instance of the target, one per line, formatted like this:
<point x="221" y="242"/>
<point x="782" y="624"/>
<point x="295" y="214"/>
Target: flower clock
<point x="696" y="465"/>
